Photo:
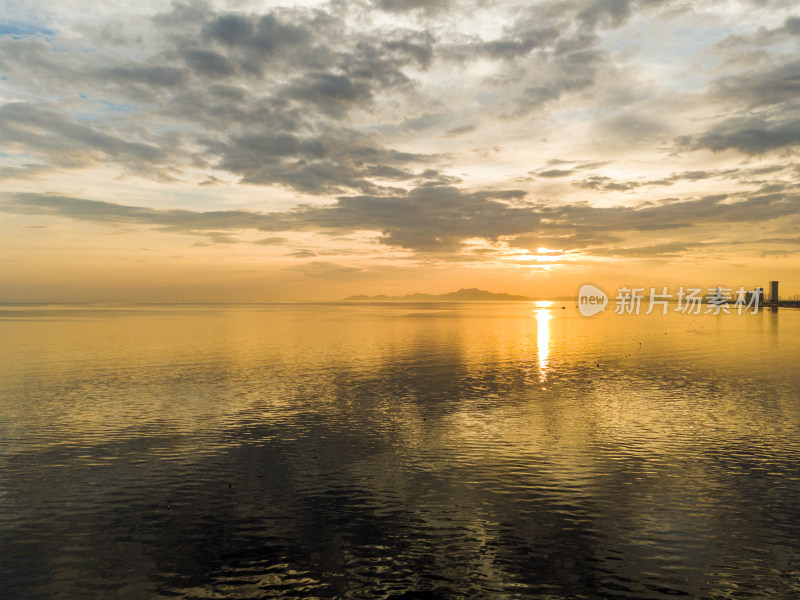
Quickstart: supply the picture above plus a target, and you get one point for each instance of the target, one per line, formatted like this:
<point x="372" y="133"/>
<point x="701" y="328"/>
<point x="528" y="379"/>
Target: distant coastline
<point x="462" y="295"/>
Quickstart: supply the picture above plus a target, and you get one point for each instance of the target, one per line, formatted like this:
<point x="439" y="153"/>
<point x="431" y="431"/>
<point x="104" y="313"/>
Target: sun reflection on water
<point x="543" y="317"/>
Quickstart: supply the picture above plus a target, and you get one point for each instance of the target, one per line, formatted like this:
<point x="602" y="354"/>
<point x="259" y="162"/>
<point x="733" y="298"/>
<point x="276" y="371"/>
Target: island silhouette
<point x="464" y="294"/>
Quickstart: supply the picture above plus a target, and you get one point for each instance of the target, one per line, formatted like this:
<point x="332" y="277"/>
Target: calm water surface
<point x="471" y="450"/>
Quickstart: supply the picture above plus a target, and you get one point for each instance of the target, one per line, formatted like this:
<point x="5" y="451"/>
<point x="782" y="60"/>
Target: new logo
<point x="591" y="300"/>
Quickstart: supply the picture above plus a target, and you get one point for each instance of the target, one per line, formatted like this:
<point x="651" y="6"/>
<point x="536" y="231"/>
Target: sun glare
<point x="543" y="317"/>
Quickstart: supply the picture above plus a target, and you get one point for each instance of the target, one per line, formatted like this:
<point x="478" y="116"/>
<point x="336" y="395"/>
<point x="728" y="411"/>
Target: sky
<point x="275" y="151"/>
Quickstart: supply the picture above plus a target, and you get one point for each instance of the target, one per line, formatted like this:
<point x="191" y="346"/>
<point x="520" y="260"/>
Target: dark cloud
<point x="155" y="76"/>
<point x="407" y="5"/>
<point x="606" y="13"/>
<point x="761" y="87"/>
<point x="761" y="103"/>
<point x="67" y="143"/>
<point x="262" y="35"/>
<point x="551" y="51"/>
<point x="271" y="241"/>
<point x="278" y="97"/>
<point x="217" y="238"/>
<point x="416" y="45"/>
<point x="518" y="41"/>
<point x="428" y="218"/>
<point x="555" y="173"/>
<point x="231" y="29"/>
<point x="437" y="218"/>
<point x="601" y="183"/>
<point x="573" y="165"/>
<point x="333" y="94"/>
<point x="210" y="180"/>
<point x="316" y="164"/>
<point x="174" y="220"/>
<point x="456" y="131"/>
<point x="571" y="67"/>
<point x="751" y="135"/>
<point x="302" y="253"/>
<point x="208" y="63"/>
<point x="765" y="36"/>
<point x="751" y="176"/>
<point x="310" y="100"/>
<point x="266" y="97"/>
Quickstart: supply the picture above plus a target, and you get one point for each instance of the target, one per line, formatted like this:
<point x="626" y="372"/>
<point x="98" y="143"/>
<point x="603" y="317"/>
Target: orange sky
<point x="314" y="151"/>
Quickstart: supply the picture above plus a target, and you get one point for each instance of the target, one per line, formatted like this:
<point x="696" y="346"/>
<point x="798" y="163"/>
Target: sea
<point x="397" y="451"/>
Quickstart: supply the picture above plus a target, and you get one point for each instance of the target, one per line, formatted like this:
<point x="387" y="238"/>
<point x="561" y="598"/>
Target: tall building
<point x="773" y="292"/>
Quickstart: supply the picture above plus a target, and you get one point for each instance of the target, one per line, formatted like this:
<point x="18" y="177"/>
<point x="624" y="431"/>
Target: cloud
<point x="302" y="253"/>
<point x="271" y="241"/>
<point x="260" y="35"/>
<point x="150" y="76"/>
<point x="606" y="13"/>
<point x="174" y="220"/>
<point x="713" y="248"/>
<point x="456" y="131"/>
<point x="408" y="5"/>
<point x="764" y="36"/>
<point x="372" y="107"/>
<point x="66" y="143"/>
<point x="752" y="176"/>
<point x="435" y="219"/>
<point x="266" y="97"/>
<point x="555" y="173"/>
<point x="761" y="105"/>
<point x="751" y="135"/>
<point x="761" y="87"/>
<point x="276" y="97"/>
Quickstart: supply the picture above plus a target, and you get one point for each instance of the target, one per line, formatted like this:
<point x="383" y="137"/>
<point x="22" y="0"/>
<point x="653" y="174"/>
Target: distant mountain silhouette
<point x="472" y="294"/>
